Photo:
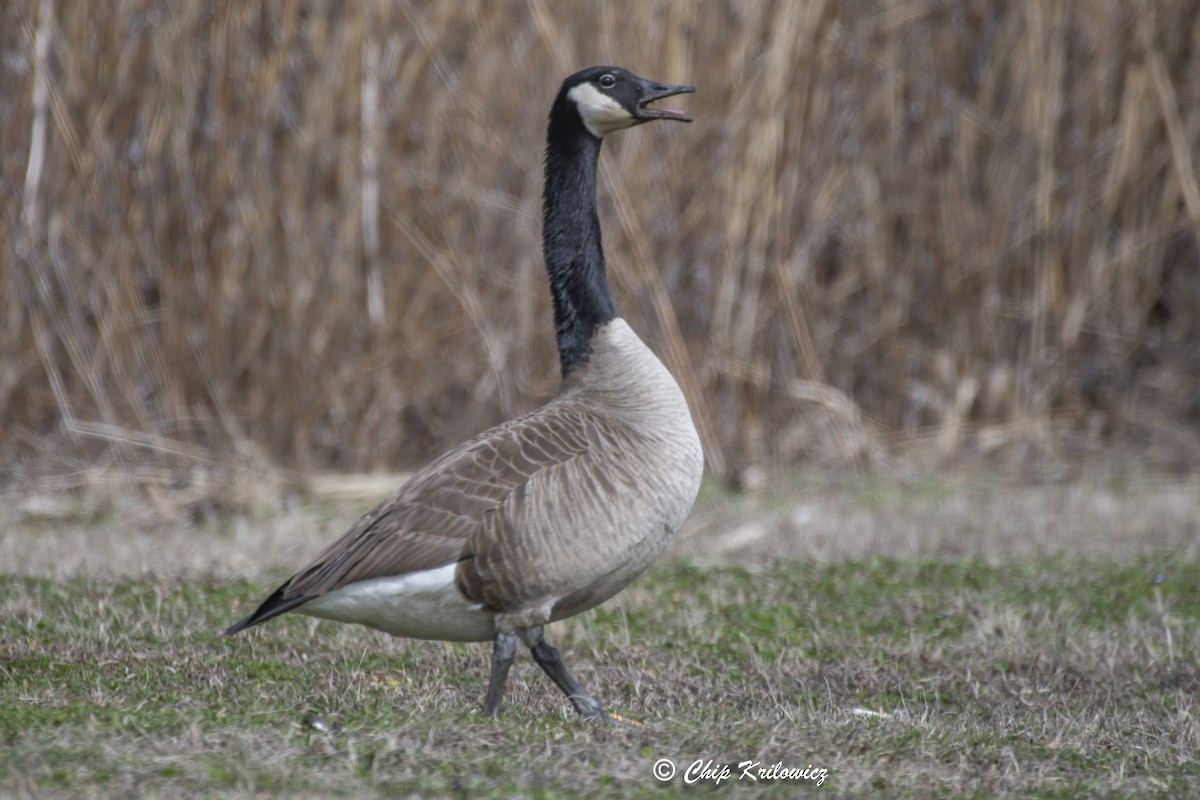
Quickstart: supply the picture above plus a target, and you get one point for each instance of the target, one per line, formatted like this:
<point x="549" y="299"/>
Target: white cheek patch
<point x="600" y="113"/>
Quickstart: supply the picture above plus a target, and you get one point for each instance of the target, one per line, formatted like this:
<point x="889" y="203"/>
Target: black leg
<point x="504" y="647"/>
<point x="551" y="663"/>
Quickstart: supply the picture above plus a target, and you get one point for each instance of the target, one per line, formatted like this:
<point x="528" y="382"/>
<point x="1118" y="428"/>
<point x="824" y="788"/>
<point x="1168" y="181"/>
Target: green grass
<point x="1055" y="677"/>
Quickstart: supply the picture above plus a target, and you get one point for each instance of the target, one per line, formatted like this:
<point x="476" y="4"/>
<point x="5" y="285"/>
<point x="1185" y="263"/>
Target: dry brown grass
<point x="307" y="233"/>
<point x="815" y="520"/>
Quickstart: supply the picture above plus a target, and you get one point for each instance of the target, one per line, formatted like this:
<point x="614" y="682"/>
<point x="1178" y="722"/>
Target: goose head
<point x="609" y="99"/>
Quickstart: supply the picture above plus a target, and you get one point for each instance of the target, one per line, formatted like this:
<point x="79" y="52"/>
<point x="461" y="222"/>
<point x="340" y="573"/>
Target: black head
<point x="610" y="99"/>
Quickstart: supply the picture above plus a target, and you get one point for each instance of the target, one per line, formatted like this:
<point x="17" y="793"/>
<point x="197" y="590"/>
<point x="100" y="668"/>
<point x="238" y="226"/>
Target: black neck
<point x="571" y="235"/>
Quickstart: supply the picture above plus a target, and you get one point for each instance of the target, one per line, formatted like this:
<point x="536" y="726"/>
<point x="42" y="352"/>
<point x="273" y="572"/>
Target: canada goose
<point x="553" y="513"/>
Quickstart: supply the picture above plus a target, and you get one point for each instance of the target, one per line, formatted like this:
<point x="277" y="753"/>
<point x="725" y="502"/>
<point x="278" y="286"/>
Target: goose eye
<point x="607" y="81"/>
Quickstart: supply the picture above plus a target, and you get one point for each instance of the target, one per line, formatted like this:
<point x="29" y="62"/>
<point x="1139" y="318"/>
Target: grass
<point x="308" y="233"/>
<point x="1050" y="677"/>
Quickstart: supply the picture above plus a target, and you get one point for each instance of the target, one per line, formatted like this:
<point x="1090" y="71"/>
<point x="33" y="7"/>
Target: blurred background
<point x="246" y="239"/>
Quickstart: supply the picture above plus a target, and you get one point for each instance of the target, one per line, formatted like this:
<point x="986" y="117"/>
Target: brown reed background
<point x="307" y="233"/>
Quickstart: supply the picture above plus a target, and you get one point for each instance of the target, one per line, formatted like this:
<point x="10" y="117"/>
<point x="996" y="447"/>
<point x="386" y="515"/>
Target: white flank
<point x="600" y="113"/>
<point x="419" y="605"/>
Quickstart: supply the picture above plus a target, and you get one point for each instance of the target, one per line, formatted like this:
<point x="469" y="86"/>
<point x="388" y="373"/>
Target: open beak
<point x="652" y="91"/>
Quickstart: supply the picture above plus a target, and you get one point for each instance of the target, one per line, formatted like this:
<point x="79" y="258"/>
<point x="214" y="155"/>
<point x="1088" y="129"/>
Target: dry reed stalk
<point x="308" y="232"/>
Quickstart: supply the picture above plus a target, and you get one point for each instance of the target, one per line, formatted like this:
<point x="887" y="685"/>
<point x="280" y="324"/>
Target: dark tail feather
<point x="272" y="607"/>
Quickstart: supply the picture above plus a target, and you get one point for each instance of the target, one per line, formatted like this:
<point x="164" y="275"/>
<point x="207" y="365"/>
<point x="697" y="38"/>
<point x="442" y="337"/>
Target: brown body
<point x="543" y="517"/>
